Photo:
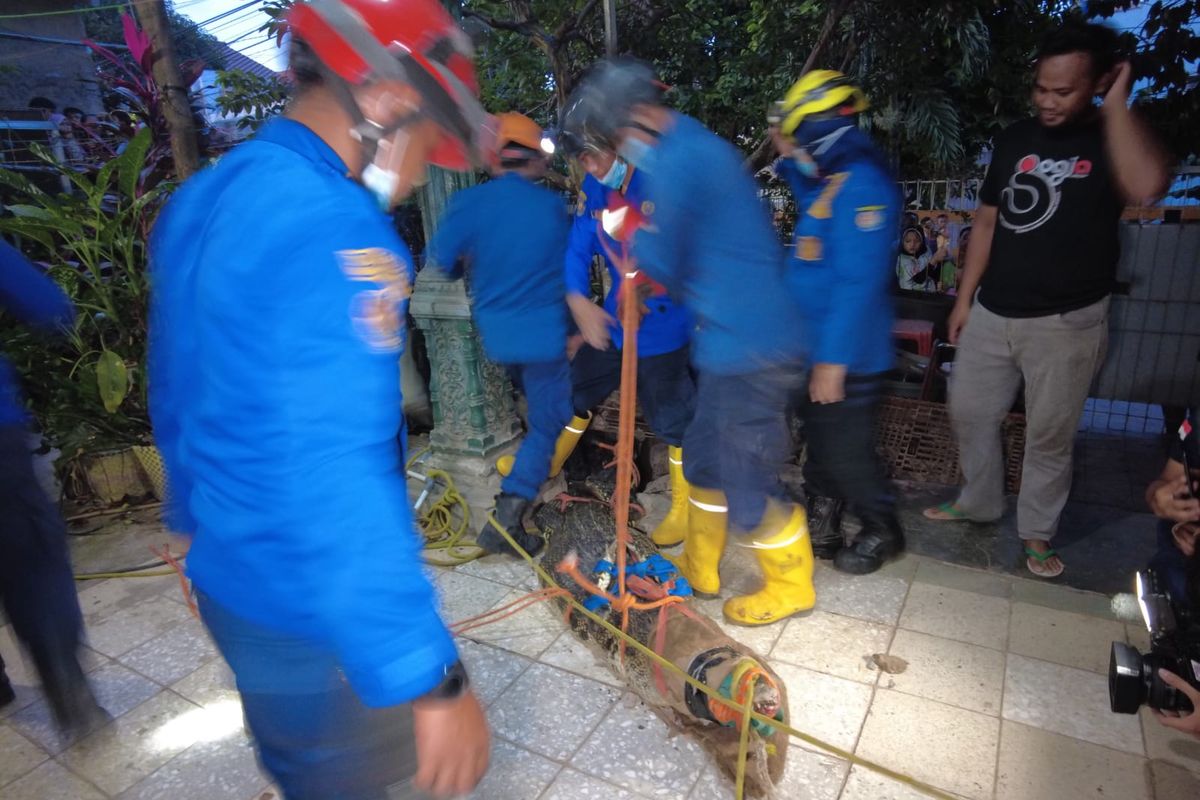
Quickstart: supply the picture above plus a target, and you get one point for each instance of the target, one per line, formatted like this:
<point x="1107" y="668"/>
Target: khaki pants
<point x="1057" y="357"/>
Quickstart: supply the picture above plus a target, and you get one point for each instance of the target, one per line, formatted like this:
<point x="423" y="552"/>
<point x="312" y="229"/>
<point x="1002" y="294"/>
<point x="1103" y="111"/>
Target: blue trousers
<point x="739" y="438"/>
<point x="314" y="736"/>
<point x="547" y="389"/>
<point x="37" y="588"/>
<point x="665" y="390"/>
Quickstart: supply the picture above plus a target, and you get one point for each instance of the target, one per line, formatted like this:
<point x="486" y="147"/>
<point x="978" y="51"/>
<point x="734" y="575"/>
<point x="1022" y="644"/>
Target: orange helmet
<point x="516" y="135"/>
<point x="414" y="41"/>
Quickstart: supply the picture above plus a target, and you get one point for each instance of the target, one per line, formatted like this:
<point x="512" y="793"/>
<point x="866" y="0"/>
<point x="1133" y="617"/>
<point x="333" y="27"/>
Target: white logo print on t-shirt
<point x="1033" y="194"/>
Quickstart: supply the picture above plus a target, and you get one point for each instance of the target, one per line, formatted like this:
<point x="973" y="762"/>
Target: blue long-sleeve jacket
<point x="513" y="234"/>
<point x="662" y="330"/>
<point x="278" y="309"/>
<point x="38" y="302"/>
<point x="842" y="265"/>
<point x="710" y="241"/>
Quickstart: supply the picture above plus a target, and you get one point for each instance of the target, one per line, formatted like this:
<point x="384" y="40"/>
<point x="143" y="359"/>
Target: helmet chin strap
<point x="367" y="133"/>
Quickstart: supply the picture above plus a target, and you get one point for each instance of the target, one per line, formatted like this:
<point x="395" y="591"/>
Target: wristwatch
<point x="454" y="683"/>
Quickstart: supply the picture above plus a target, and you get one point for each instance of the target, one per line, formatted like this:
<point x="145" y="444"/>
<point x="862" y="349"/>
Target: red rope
<point x="173" y="563"/>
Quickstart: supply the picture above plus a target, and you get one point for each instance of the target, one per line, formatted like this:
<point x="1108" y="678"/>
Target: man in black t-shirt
<point x="1043" y="256"/>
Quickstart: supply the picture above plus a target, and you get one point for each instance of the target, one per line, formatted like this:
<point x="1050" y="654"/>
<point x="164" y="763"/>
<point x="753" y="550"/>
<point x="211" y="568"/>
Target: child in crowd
<point x="914" y="267"/>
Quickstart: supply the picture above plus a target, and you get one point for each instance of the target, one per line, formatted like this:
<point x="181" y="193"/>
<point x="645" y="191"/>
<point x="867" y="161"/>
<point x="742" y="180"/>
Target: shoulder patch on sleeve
<point x="377" y="314"/>
<point x="869" y="218"/>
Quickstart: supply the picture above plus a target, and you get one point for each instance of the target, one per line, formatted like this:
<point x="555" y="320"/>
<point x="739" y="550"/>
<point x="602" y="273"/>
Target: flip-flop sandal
<point x="1040" y="560"/>
<point x="953" y="514"/>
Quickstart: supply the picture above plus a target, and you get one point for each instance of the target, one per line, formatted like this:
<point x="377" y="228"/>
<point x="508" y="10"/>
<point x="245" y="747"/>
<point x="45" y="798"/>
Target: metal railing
<point x="941" y="194"/>
<point x="948" y="194"/>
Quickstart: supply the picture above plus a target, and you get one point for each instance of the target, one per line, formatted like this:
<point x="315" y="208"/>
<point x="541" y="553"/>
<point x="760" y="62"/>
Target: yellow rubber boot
<point x="562" y="448"/>
<point x="704" y="543"/>
<point x="673" y="529"/>
<point x="786" y="558"/>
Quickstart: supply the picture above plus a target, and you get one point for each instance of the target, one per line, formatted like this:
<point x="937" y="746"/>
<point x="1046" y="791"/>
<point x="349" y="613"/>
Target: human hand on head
<point x="1120" y="82"/>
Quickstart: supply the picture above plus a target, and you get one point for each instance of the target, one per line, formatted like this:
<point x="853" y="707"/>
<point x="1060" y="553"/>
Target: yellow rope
<point x="444" y="521"/>
<point x="747" y="708"/>
<point x="99" y="576"/>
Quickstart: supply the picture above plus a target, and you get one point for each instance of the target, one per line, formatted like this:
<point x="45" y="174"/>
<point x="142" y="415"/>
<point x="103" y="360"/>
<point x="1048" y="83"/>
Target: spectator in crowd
<point x="1044" y="261"/>
<point x="929" y="227"/>
<point x="914" y="267"/>
<point x="1172" y="498"/>
<point x="45" y="105"/>
<point x="72" y="120"/>
<point x="964" y="239"/>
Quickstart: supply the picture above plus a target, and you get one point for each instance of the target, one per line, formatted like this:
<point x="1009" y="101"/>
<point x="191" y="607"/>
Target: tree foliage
<point x="191" y="41"/>
<point x="943" y="76"/>
<point x="1165" y="53"/>
<point x="249" y="97"/>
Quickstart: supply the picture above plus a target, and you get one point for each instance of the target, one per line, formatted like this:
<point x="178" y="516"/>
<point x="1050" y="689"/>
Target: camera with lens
<point x="1174" y="626"/>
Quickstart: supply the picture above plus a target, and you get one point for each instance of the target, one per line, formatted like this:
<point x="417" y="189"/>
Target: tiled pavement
<point x="1004" y="696"/>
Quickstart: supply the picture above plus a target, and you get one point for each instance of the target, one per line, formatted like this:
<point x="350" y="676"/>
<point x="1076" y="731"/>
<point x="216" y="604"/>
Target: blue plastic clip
<point x="682" y="588"/>
<point x="604" y="567"/>
<point x="595" y="604"/>
<point x="659" y="568"/>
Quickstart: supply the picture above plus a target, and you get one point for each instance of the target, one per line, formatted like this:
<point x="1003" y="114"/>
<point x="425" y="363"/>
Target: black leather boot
<point x="509" y="511"/>
<point x="825" y="525"/>
<point x="881" y="538"/>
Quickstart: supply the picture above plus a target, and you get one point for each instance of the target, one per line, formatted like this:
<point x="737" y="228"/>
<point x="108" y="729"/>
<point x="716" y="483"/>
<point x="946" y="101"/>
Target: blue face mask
<point x="807" y="167"/>
<point x="615" y="178"/>
<point x="637" y="153"/>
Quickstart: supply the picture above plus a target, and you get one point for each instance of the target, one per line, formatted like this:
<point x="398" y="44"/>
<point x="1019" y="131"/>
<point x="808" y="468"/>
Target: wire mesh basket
<point x="916" y="442"/>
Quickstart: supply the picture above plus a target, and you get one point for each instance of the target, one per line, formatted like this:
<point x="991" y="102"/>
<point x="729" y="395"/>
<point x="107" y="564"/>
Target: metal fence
<point x="1154" y="347"/>
<point x="941" y="195"/>
<point x="948" y="194"/>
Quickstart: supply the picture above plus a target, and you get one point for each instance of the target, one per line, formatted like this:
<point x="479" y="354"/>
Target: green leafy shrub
<point x="88" y="390"/>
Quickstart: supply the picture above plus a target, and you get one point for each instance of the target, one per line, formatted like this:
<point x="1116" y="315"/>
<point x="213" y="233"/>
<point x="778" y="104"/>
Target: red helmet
<point x="414" y="41"/>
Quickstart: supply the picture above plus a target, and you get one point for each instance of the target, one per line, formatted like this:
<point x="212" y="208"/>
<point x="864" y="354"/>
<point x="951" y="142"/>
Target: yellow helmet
<point x="818" y="95"/>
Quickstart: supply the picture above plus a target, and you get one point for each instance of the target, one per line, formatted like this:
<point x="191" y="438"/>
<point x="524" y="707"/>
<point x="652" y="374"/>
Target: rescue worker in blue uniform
<point x="665" y="390"/>
<point x="841" y="274"/>
<point x="512" y="234"/>
<point x="279" y="297"/>
<point x="37" y="589"/>
<point x="709" y="241"/>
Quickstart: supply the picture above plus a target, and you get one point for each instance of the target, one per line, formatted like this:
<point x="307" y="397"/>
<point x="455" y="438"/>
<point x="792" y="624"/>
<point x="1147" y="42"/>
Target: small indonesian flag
<point x="1185" y="430"/>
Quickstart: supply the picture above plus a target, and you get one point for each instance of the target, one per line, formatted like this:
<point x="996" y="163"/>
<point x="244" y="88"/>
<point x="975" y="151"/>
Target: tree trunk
<point x="152" y="16"/>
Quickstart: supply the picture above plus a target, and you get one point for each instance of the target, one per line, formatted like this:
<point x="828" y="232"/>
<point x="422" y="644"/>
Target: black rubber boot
<point x="825" y="525"/>
<point x="881" y="538"/>
<point x="509" y="511"/>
